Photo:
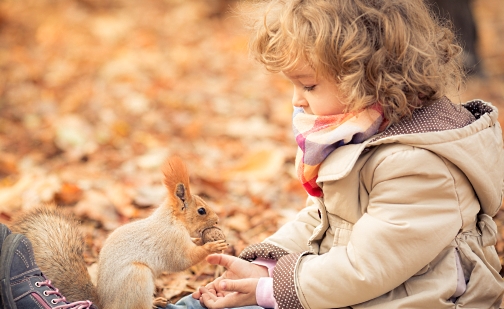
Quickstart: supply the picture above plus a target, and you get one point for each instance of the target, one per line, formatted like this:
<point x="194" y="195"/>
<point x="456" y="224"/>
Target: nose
<point x="298" y="100"/>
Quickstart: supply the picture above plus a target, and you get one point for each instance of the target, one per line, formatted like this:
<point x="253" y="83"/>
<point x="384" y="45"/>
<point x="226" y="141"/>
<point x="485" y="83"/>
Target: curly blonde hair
<point x="390" y="51"/>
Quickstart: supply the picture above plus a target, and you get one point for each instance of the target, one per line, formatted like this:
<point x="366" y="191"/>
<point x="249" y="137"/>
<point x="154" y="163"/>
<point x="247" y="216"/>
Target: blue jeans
<point x="190" y="303"/>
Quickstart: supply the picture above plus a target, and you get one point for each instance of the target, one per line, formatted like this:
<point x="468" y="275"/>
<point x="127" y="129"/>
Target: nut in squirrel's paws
<point x="212" y="234"/>
<point x="214" y="239"/>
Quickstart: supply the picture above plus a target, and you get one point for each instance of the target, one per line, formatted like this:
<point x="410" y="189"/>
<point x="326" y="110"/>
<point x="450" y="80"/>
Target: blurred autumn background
<point x="95" y="94"/>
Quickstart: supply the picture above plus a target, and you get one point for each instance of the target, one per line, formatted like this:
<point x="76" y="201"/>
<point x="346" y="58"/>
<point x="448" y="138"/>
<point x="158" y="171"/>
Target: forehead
<point x="301" y="70"/>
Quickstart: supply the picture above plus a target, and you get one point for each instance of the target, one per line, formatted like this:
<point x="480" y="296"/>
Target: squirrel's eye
<point x="202" y="211"/>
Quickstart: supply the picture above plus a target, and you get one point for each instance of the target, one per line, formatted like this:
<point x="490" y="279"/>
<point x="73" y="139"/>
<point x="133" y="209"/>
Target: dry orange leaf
<point x="259" y="165"/>
<point x="239" y="222"/>
<point x="69" y="193"/>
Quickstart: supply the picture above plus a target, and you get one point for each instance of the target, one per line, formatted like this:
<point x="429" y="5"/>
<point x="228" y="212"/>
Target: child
<point x="402" y="183"/>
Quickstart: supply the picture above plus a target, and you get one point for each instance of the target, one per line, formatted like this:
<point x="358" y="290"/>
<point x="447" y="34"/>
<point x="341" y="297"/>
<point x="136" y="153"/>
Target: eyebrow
<point x="298" y="76"/>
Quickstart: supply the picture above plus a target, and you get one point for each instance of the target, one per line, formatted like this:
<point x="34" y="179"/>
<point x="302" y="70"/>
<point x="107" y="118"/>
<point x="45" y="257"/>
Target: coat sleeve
<point x="412" y="215"/>
<point x="293" y="236"/>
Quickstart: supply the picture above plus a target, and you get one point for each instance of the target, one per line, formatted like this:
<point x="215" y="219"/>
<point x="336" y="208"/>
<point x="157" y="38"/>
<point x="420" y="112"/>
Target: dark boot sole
<point x="8" y="250"/>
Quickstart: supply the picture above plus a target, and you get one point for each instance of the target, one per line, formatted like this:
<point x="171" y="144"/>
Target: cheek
<point x="327" y="106"/>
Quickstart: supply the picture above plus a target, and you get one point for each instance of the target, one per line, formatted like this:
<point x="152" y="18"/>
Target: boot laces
<point x="83" y="304"/>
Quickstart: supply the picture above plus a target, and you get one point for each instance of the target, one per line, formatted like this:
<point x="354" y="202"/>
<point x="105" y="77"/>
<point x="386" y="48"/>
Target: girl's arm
<point x="413" y="214"/>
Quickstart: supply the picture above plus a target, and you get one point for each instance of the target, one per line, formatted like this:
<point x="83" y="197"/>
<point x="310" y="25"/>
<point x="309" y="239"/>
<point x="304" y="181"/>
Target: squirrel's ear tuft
<point x="176" y="181"/>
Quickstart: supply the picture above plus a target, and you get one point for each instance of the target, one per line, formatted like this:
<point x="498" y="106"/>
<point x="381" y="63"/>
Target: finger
<point x="201" y="302"/>
<point x="211" y="302"/>
<point x="210" y="285"/>
<point x="237" y="268"/>
<point x="241" y="286"/>
<point x="214" y="285"/>
<point x="235" y="265"/>
<point x="205" y="291"/>
<point x="196" y="294"/>
<point x="207" y="299"/>
<point x="227" y="275"/>
<point x="207" y="302"/>
<point x="228" y="261"/>
<point x="231" y="300"/>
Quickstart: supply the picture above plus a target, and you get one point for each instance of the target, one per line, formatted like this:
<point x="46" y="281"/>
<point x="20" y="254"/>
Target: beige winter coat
<point x="403" y="215"/>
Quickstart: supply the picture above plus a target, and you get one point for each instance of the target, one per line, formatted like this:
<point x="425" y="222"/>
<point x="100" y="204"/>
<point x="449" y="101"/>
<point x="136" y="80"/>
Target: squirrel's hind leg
<point x="133" y="290"/>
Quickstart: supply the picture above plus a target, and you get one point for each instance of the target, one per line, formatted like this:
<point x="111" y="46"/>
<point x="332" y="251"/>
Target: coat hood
<point x="475" y="147"/>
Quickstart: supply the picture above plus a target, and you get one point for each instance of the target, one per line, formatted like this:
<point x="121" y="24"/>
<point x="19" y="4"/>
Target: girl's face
<point x="317" y="96"/>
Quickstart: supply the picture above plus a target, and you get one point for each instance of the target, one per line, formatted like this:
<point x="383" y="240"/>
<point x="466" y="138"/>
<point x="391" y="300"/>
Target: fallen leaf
<point x="173" y="284"/>
<point x="74" y="135"/>
<point x="11" y="197"/>
<point x="8" y="164"/>
<point x="150" y="195"/>
<point x="264" y="164"/>
<point x="96" y="206"/>
<point x="239" y="222"/>
<point x="68" y="194"/>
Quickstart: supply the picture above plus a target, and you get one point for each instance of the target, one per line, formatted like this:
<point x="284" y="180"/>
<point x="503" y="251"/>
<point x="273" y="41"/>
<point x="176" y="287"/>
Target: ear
<point x="180" y="193"/>
<point x="177" y="182"/>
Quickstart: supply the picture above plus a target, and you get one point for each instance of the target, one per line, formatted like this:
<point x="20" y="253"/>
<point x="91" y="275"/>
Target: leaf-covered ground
<point x="95" y="94"/>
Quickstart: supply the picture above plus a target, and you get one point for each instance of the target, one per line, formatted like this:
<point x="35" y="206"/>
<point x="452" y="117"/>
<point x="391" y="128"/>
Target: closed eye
<point x="309" y="88"/>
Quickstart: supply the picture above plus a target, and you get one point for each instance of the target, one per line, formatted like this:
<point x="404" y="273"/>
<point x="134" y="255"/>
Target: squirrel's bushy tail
<point x="58" y="247"/>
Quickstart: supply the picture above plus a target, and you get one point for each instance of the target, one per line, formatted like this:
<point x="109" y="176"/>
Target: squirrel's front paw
<point x="216" y="246"/>
<point x="197" y="241"/>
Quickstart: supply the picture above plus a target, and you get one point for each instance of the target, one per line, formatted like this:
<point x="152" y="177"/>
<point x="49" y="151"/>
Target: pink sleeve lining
<point x="264" y="290"/>
<point x="269" y="264"/>
<point x="264" y="293"/>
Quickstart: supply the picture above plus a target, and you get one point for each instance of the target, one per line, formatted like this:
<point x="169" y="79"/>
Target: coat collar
<point x="426" y="126"/>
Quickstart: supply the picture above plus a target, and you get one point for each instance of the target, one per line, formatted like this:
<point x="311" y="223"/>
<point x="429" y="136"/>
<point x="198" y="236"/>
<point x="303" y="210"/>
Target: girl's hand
<point x="236" y="293"/>
<point x="236" y="269"/>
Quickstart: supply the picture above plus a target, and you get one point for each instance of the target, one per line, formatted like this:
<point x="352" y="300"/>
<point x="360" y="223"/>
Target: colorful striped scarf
<point x="318" y="136"/>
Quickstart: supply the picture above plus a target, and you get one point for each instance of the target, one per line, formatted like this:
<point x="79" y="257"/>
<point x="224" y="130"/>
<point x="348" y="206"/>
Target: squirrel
<point x="133" y="255"/>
